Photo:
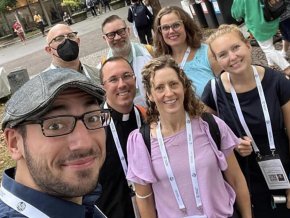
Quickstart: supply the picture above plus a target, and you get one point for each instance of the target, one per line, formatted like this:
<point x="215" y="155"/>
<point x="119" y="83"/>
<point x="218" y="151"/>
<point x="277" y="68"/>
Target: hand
<point x="245" y="147"/>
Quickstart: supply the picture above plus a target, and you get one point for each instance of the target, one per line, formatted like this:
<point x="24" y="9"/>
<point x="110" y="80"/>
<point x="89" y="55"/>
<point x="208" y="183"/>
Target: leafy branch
<point x="7" y="4"/>
<point x="71" y="3"/>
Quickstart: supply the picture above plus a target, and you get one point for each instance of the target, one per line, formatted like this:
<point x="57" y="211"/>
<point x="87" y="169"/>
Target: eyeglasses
<point x="60" y="39"/>
<point x="174" y="26"/>
<point x="126" y="77"/>
<point x="65" y="124"/>
<point x="121" y="32"/>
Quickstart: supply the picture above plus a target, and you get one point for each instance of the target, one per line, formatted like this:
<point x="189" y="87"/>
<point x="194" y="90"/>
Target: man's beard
<point x="56" y="185"/>
<point x="121" y="51"/>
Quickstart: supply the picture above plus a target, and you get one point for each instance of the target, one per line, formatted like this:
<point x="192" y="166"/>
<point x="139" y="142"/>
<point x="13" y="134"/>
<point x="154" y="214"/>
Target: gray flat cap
<point x="36" y="95"/>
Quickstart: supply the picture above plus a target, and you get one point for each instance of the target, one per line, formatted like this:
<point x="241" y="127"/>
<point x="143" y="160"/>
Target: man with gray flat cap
<point x="54" y="130"/>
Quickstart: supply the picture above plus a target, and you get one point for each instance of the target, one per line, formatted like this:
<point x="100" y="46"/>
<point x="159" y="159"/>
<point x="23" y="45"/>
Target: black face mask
<point x="68" y="50"/>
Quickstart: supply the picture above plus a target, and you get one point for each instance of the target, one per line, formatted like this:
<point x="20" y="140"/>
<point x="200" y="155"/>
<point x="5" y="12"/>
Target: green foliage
<point x="6" y="4"/>
<point x="71" y="3"/>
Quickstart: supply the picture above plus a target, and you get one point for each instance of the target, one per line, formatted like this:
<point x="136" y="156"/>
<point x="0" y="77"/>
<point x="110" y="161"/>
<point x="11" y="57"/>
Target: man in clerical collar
<point x="54" y="130"/>
<point x="63" y="47"/>
<point x="119" y="82"/>
<point x="117" y="35"/>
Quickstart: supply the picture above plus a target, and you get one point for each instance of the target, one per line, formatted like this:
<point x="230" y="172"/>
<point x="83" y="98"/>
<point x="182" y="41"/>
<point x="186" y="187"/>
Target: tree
<point x="72" y="3"/>
<point x="7" y="4"/>
<point x="156" y="6"/>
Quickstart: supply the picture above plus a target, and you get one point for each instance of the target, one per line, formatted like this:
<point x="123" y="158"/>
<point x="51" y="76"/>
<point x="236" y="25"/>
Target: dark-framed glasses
<point x="121" y="32"/>
<point x="174" y="26"/>
<point x="60" y="39"/>
<point x="126" y="77"/>
<point x="65" y="124"/>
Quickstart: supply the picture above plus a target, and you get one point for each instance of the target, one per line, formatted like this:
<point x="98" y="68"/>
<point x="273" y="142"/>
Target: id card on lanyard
<point x="271" y="166"/>
<point x="273" y="172"/>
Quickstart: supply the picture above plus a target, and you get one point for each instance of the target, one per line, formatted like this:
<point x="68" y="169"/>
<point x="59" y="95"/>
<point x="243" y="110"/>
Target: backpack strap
<point x="145" y="132"/>
<point x="207" y="117"/>
<point x="142" y="110"/>
<point x="213" y="128"/>
<point x="214" y="95"/>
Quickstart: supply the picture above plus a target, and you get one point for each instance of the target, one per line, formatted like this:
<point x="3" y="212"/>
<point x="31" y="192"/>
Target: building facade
<point x="50" y="10"/>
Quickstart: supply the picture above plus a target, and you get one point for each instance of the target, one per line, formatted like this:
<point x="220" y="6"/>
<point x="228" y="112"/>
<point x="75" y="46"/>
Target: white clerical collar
<point x="125" y="117"/>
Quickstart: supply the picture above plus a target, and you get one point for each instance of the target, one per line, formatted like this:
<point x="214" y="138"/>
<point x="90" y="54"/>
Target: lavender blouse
<point x="216" y="194"/>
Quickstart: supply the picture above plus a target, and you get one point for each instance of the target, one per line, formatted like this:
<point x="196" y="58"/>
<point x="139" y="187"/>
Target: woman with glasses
<point x="177" y="35"/>
<point x="181" y="169"/>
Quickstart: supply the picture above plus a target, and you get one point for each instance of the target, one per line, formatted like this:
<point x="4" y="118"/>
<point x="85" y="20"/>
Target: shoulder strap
<point x="213" y="90"/>
<point x="213" y="128"/>
<point x="103" y="59"/>
<point x="207" y="117"/>
<point x="145" y="132"/>
<point x="150" y="49"/>
<point x="142" y="110"/>
<point x="222" y="90"/>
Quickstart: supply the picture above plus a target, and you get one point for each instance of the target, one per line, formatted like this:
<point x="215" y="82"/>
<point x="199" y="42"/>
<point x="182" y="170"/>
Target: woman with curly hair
<point x="180" y="175"/>
<point x="176" y="34"/>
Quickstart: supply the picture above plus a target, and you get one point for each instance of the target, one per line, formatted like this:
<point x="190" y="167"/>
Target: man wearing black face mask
<point x="63" y="46"/>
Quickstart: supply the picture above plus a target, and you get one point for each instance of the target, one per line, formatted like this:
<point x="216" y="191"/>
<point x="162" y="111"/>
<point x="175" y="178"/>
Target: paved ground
<point x="33" y="57"/>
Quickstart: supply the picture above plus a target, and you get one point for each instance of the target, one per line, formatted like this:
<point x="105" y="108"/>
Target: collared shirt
<point x="88" y="71"/>
<point x="50" y="205"/>
<point x="115" y="200"/>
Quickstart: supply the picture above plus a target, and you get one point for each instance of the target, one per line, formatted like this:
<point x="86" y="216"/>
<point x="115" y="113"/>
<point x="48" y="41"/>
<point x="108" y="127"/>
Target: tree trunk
<point x="156" y="6"/>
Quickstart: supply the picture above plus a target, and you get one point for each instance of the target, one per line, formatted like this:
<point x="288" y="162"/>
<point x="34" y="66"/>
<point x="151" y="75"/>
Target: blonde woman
<point x="259" y="103"/>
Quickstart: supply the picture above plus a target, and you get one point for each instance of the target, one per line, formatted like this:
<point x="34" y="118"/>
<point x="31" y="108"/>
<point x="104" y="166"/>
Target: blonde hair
<point x="191" y="103"/>
<point x="225" y="29"/>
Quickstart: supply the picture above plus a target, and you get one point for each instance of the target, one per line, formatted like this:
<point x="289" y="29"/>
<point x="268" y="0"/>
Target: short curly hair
<point x="193" y="32"/>
<point x="191" y="103"/>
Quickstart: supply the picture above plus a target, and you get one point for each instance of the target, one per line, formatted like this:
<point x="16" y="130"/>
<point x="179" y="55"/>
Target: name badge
<point x="273" y="172"/>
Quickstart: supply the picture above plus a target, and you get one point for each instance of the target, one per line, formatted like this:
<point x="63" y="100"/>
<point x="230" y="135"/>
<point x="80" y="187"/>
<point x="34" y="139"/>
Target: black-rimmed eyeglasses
<point x="174" y="26"/>
<point x="121" y="32"/>
<point x="65" y="124"/>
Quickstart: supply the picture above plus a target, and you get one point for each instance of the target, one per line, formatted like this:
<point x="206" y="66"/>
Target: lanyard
<point x="185" y="56"/>
<point x="20" y="205"/>
<point x="265" y="112"/>
<point x="116" y="137"/>
<point x="168" y="168"/>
